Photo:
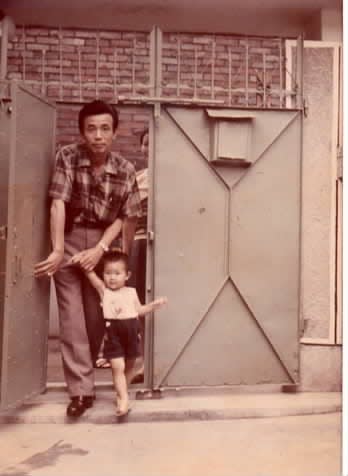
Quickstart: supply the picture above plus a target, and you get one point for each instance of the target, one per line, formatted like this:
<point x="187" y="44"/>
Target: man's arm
<point x="88" y="259"/>
<point x="57" y="223"/>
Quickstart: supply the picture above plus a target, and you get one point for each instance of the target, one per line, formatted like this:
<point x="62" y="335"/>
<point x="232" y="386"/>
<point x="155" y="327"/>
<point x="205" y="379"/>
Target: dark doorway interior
<point x="134" y="121"/>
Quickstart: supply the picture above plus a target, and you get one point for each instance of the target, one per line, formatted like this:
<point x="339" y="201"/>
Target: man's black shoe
<point x="79" y="405"/>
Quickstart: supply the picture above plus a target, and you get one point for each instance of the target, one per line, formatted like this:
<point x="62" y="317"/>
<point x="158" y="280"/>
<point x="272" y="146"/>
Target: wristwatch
<point x="104" y="247"/>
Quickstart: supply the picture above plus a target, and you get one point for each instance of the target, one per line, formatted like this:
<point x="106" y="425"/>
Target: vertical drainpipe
<point x="7" y="31"/>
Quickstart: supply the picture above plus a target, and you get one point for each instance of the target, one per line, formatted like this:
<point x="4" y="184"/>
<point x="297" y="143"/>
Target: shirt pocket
<point x="111" y="202"/>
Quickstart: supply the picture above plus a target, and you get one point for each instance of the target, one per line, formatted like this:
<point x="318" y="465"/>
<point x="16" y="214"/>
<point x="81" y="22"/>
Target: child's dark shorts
<point x="122" y="338"/>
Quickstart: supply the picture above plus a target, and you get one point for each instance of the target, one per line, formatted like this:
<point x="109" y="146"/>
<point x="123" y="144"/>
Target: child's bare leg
<point x="120" y="383"/>
<point x="130" y="371"/>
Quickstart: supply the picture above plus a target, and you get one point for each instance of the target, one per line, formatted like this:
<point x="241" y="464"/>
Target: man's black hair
<point x="94" y="108"/>
<point x="143" y="134"/>
<point x="114" y="256"/>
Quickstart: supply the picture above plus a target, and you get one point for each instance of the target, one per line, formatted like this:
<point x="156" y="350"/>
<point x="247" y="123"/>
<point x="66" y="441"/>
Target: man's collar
<point x="111" y="164"/>
<point x="84" y="160"/>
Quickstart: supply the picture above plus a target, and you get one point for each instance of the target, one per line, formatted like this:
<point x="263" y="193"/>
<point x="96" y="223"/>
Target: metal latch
<point x="150" y="236"/>
<point x="3" y="232"/>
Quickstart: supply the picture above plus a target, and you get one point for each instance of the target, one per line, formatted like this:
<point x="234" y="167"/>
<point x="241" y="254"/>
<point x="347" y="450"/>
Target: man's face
<point x="145" y="145"/>
<point x="98" y="134"/>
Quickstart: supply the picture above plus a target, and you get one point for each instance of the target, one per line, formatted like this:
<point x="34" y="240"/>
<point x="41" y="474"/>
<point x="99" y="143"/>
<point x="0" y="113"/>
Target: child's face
<point x="115" y="274"/>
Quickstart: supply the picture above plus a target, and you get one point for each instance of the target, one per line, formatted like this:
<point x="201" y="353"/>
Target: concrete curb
<point x="162" y="416"/>
<point x="176" y="409"/>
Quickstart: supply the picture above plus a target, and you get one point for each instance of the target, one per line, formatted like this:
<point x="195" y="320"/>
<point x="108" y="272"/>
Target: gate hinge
<point x="3" y="232"/>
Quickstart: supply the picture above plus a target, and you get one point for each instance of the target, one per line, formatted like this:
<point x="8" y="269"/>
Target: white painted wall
<point x="331" y="24"/>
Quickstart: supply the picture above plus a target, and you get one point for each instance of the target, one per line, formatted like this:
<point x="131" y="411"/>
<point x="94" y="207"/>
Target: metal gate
<point x="226" y="220"/>
<point x="26" y="145"/>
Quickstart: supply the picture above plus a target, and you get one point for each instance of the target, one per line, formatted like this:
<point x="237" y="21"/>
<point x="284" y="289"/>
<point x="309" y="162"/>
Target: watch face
<point x="103" y="246"/>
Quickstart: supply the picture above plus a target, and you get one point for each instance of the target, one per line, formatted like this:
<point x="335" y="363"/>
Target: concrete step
<point x="51" y="407"/>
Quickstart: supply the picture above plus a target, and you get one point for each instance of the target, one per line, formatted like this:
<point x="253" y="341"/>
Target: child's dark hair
<point x="95" y="108"/>
<point x="114" y="256"/>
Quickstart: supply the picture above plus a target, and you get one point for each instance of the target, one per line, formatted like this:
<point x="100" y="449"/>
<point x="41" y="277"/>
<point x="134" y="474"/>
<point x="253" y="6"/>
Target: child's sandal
<point x="124" y="413"/>
<point x="102" y="363"/>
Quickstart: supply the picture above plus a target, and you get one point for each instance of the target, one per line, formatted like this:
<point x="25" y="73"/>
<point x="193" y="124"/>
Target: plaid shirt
<point x="95" y="200"/>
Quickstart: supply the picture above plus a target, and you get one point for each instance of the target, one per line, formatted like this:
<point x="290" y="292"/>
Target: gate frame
<point x="155" y="103"/>
<point x="335" y="312"/>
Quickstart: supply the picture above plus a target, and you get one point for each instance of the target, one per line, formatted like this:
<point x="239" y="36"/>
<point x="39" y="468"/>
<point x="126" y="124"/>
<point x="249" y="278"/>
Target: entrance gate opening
<point x="212" y="234"/>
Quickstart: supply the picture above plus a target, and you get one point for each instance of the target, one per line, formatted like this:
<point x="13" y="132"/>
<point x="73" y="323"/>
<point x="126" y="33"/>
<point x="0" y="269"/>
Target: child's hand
<point x="161" y="301"/>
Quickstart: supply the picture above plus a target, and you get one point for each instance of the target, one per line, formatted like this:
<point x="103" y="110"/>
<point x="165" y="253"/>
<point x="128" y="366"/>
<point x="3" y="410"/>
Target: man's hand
<point x="50" y="265"/>
<point x="88" y="259"/>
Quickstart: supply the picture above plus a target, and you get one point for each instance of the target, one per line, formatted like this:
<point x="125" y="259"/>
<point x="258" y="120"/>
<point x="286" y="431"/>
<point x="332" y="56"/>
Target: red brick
<point x="72" y="41"/>
<point x="36" y="31"/>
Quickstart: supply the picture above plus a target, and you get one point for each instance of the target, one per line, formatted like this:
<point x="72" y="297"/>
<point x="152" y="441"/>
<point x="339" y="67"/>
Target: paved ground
<point x="286" y="446"/>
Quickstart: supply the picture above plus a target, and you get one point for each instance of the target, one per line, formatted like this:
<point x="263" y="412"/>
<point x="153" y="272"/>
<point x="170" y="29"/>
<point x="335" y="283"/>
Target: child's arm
<point x="151" y="306"/>
<point x="96" y="282"/>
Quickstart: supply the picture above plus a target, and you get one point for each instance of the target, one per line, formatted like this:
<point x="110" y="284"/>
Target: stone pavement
<point x="176" y="405"/>
<point x="308" y="445"/>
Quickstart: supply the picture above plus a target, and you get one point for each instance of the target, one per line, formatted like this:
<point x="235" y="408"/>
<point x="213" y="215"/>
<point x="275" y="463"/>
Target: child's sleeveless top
<point x="122" y="303"/>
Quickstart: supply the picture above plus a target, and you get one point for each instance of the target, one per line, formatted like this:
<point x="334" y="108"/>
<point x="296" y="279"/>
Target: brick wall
<point x="72" y="66"/>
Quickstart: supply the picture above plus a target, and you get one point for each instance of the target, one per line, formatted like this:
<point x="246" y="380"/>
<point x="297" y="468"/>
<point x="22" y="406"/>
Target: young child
<point x="121" y="308"/>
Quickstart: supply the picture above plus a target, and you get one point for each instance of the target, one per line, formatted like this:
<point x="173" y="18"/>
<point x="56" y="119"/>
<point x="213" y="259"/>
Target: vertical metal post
<point x="264" y="78"/>
<point x="60" y="34"/>
<point x="280" y="74"/>
<point x="156" y="65"/>
<point x="195" y="74"/>
<point x="23" y="55"/>
<point x="4" y="47"/>
<point x="97" y="67"/>
<point x="133" y="66"/>
<point x="80" y="74"/>
<point x="43" y="70"/>
<point x="150" y="261"/>
<point x="212" y="92"/>
<point x="229" y="76"/>
<point x="179" y="68"/>
<point x="115" y="77"/>
<point x="156" y="83"/>
<point x="247" y="72"/>
<point x="299" y="72"/>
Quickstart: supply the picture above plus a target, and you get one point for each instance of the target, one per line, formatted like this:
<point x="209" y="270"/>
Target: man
<point x="93" y="192"/>
<point x="138" y="254"/>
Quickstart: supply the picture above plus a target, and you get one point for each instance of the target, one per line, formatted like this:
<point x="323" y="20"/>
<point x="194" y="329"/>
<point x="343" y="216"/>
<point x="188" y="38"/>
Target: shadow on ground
<point x="46" y="458"/>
